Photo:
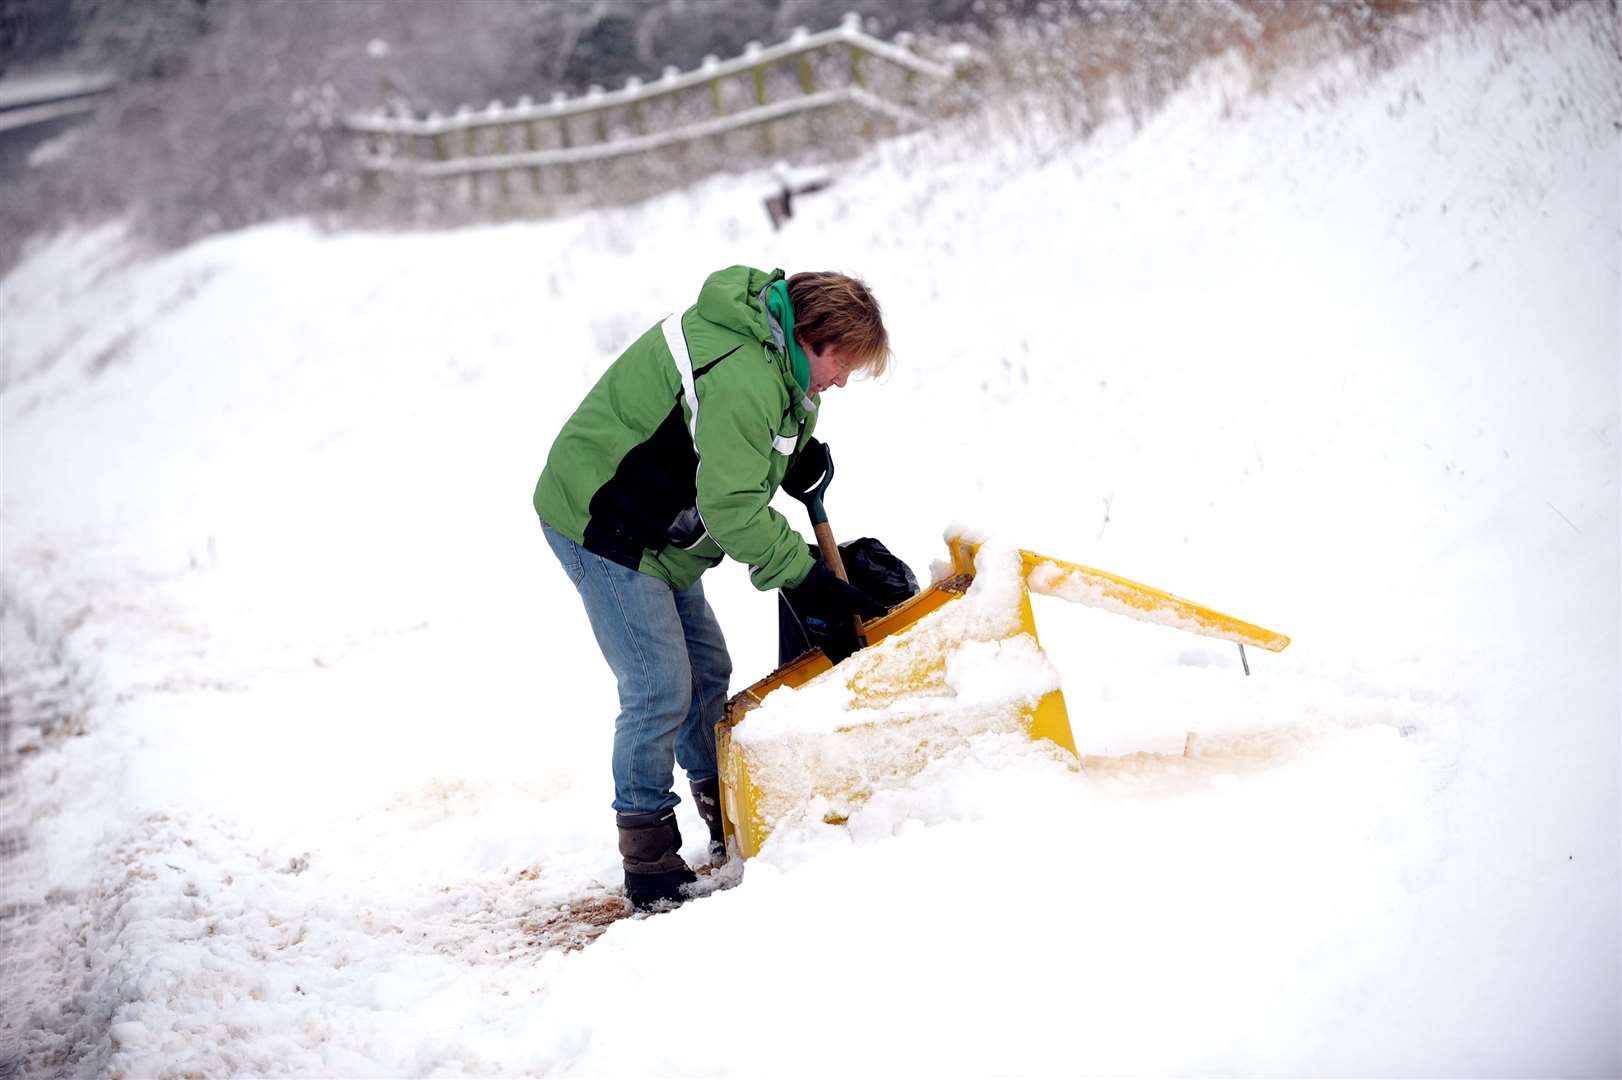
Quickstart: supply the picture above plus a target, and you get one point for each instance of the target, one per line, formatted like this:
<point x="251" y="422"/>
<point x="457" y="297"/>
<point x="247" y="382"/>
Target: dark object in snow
<point x="780" y="207"/>
<point x="872" y="568"/>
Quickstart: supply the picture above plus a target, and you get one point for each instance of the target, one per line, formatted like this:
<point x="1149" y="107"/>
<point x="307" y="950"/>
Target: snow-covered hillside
<point x="1342" y="359"/>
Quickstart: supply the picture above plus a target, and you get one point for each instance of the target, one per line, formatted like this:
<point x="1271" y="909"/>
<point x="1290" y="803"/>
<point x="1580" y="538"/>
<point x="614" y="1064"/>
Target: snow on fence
<point x="602" y="125"/>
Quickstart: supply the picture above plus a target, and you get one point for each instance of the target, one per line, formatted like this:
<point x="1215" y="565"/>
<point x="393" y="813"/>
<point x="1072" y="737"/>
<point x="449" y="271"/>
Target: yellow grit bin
<point x="901" y="710"/>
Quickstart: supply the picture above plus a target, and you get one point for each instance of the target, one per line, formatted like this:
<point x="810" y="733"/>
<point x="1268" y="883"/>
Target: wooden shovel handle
<point x="830" y="555"/>
<point x="830" y="550"/>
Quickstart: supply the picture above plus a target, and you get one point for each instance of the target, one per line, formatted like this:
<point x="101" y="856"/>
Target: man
<point x="666" y="468"/>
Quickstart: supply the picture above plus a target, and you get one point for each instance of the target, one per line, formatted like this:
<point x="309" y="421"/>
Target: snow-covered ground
<point x="1341" y="359"/>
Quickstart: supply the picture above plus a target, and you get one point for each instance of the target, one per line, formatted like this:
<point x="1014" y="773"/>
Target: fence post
<point x="598" y="168"/>
<point x="532" y="142"/>
<point x="405" y="143"/>
<point x="758" y="72"/>
<point x="368" y="145"/>
<point x="599" y="120"/>
<point x="469" y="150"/>
<point x="909" y="77"/>
<point x="632" y="86"/>
<point x="852" y="25"/>
<point x="808" y="81"/>
<point x="442" y="152"/>
<point x="683" y="159"/>
<point x="752" y="49"/>
<point x="565" y="141"/>
<point x="503" y="141"/>
<point x="442" y="140"/>
<point x="711" y="62"/>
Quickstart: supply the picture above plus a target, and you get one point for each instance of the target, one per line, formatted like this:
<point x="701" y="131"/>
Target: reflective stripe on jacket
<point x="670" y="462"/>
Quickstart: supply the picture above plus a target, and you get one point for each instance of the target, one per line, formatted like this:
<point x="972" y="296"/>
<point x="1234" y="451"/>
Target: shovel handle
<point x="830" y="550"/>
<point x="812" y="498"/>
<point x="830" y="555"/>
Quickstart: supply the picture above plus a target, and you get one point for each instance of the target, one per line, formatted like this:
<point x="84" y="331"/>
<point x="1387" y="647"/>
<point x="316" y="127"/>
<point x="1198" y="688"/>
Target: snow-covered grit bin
<point x="960" y="659"/>
<point x="325" y="791"/>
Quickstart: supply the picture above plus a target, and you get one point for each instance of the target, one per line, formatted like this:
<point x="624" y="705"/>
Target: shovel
<point x="812" y="498"/>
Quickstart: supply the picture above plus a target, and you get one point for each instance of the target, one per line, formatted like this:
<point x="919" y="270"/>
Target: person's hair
<point x="836" y="309"/>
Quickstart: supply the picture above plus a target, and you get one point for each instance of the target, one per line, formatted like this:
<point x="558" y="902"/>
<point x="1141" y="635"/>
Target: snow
<point x="54" y="149"/>
<point x="1341" y="359"/>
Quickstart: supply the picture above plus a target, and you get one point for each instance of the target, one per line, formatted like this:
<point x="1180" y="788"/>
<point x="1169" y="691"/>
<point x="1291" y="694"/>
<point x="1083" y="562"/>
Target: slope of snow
<point x="1342" y="360"/>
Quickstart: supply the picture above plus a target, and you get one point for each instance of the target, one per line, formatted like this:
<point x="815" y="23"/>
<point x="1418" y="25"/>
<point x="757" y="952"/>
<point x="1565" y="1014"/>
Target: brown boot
<point x="650" y="845"/>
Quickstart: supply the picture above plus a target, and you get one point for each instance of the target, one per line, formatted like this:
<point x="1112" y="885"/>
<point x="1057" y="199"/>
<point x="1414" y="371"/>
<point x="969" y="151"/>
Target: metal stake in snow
<point x="1242" y="659"/>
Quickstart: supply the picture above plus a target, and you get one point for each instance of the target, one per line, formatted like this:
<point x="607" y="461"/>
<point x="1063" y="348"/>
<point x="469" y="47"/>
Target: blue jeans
<point x="666" y="651"/>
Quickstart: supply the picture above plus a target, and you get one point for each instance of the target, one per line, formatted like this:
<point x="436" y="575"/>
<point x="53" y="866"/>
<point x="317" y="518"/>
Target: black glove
<point x="825" y="606"/>
<point x="806" y="468"/>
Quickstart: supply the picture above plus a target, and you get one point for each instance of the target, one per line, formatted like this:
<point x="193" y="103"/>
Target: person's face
<point x="830" y="367"/>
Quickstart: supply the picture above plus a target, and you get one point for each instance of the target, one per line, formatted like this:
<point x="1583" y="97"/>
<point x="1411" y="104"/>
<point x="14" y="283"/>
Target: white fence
<point x="643" y="117"/>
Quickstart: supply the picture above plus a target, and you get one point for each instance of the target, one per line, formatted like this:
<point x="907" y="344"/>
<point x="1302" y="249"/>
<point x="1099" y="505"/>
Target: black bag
<point x="871" y="568"/>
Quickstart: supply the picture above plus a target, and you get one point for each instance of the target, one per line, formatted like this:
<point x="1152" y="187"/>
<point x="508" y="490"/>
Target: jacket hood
<point x="733" y="298"/>
<point x="730" y="298"/>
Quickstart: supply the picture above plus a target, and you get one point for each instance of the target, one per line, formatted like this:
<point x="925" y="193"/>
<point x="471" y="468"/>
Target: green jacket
<point x="670" y="461"/>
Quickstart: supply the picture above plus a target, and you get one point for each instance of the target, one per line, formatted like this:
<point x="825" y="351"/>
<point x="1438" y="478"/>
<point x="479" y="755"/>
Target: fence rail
<point x="36" y="99"/>
<point x="626" y="147"/>
<point x="394" y="144"/>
